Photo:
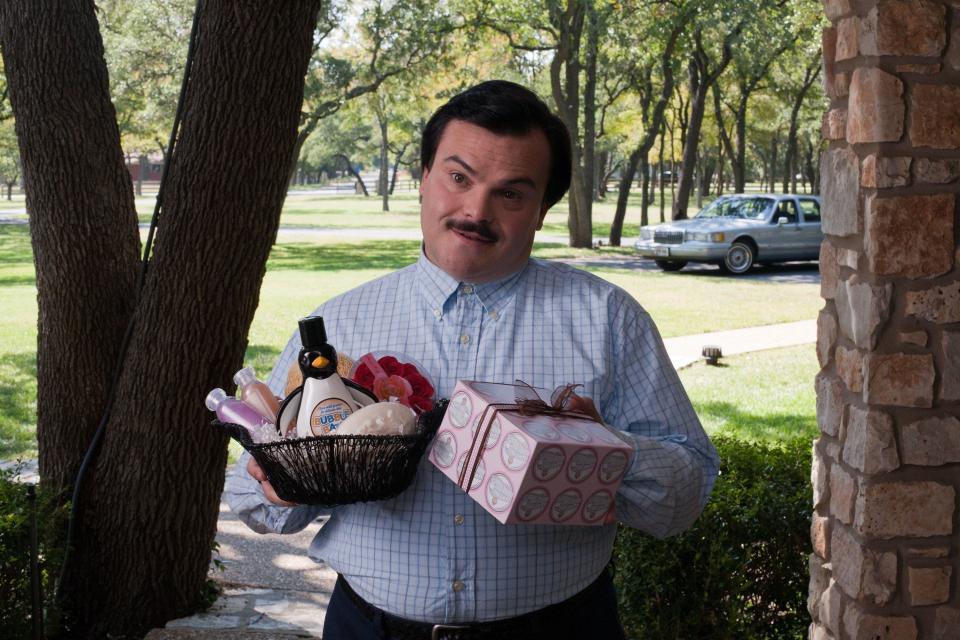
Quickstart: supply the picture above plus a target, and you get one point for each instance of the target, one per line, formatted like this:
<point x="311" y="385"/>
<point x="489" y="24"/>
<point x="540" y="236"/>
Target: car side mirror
<point x="782" y="221"/>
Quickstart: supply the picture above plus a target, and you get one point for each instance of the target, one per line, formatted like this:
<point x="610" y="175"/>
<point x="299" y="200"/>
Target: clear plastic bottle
<point x="256" y="394"/>
<point x="229" y="409"/>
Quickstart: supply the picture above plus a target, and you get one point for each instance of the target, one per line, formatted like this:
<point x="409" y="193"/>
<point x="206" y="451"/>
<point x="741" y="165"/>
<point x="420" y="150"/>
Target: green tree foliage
<point x="145" y="44"/>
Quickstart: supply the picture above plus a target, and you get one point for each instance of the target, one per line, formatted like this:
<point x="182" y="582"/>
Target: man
<point x="477" y="307"/>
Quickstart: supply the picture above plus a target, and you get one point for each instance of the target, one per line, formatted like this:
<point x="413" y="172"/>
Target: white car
<point x="738" y="231"/>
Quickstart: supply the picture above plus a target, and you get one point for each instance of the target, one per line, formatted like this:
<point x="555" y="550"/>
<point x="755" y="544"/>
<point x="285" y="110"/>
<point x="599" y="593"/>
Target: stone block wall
<point x="886" y="470"/>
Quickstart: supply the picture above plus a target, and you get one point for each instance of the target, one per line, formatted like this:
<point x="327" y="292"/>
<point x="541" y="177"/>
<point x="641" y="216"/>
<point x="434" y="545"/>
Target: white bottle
<point x="326" y="402"/>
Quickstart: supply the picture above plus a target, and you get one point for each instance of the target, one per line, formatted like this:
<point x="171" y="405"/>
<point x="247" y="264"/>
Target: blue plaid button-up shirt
<point x="432" y="553"/>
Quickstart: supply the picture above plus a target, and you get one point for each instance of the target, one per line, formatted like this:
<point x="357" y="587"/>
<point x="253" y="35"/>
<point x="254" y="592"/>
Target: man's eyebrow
<point x="520" y="180"/>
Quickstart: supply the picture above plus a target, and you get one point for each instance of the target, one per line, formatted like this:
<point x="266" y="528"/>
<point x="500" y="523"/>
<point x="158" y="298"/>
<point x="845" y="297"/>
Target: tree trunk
<point x="623" y="194"/>
<point x="790" y="162"/>
<point x="697" y="108"/>
<point x="644" y="192"/>
<point x="396" y="166"/>
<point x="83" y="227"/>
<point x="150" y="502"/>
<point x="773" y="162"/>
<point x="353" y="172"/>
<point x="142" y="161"/>
<point x="663" y="204"/>
<point x="565" y="86"/>
<point x="383" y="177"/>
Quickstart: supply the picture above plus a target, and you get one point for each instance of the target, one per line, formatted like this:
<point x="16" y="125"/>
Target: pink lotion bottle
<point x="235" y="411"/>
<point x="256" y="394"/>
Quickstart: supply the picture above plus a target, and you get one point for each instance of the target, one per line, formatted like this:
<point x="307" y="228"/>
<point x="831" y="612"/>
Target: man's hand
<point x="254" y="470"/>
<point x="581" y="404"/>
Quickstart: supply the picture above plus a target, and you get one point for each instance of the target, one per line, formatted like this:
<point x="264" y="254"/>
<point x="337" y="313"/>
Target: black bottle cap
<point x="312" y="332"/>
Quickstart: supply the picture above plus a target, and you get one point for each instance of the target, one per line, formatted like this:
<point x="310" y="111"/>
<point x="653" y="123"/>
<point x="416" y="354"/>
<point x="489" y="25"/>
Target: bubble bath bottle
<point x="326" y="401"/>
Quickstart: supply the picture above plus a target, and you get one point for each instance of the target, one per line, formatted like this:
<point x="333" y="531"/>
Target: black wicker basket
<point x="336" y="470"/>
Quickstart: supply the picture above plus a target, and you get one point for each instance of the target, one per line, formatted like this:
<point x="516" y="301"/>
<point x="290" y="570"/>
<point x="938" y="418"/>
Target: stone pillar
<point x="886" y="468"/>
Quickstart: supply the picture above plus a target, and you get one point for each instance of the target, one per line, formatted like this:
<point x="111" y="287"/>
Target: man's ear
<point x="543" y="214"/>
<point x="423" y="177"/>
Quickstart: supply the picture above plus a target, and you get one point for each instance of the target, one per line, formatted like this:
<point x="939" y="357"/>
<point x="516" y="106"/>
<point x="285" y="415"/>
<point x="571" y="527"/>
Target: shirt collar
<point x="437" y="286"/>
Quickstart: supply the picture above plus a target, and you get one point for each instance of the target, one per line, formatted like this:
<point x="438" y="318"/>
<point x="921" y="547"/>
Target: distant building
<point x="152" y="167"/>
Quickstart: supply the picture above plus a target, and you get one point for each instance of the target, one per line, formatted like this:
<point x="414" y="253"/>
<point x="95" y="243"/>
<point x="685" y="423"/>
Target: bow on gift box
<point x="532" y="404"/>
<point x="527" y="402"/>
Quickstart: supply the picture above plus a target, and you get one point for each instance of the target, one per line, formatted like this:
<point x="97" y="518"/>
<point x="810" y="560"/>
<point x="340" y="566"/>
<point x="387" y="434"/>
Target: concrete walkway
<point x="273" y="591"/>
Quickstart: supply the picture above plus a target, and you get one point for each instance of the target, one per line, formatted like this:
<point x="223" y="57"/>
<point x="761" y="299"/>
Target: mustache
<point x="479" y="228"/>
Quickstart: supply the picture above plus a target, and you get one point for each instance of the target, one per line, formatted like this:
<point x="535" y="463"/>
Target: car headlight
<point x="705" y="236"/>
<point x="646" y="233"/>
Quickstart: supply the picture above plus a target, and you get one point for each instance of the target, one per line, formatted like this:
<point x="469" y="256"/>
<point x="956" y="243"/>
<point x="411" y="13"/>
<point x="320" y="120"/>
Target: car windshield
<point x="747" y="208"/>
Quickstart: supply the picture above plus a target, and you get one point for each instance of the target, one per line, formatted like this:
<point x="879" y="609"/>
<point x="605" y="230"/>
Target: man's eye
<point x="511" y="195"/>
<point x="459" y="178"/>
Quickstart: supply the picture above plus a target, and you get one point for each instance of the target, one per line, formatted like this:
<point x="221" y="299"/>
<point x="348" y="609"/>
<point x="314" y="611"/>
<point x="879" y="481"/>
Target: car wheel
<point x="671" y="265"/>
<point x="739" y="258"/>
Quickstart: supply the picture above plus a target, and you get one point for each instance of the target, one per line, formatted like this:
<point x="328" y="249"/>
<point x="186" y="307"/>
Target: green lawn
<point x="304" y="271"/>
<point x="760" y="396"/>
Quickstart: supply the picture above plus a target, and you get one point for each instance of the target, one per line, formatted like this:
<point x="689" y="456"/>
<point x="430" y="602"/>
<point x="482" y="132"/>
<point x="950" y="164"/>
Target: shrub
<point x="15" y="521"/>
<point x="741" y="570"/>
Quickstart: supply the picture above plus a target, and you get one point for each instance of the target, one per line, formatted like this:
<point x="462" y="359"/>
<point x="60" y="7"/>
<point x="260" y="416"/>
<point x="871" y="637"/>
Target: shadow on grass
<point x="766" y="427"/>
<point x="17" y="281"/>
<point x="15" y="249"/>
<point x="18" y="394"/>
<point x="382" y="254"/>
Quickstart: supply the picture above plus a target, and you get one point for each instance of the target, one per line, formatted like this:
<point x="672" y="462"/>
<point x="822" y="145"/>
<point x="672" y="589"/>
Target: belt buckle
<point x="441" y="628"/>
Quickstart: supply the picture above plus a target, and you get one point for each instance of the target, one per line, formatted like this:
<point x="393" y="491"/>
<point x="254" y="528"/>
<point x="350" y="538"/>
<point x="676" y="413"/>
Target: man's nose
<point x="478" y="204"/>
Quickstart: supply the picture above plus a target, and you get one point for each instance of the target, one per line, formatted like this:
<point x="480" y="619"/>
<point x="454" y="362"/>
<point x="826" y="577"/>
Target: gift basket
<point x="350" y="432"/>
<point x="335" y="470"/>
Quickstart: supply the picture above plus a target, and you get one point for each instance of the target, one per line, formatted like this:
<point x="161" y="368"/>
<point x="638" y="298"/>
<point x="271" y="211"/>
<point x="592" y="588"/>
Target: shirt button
<point x="467" y="289"/>
<point x="458" y="586"/>
<point x="464" y="339"/>
<point x="436" y="313"/>
<point x="458" y="519"/>
<point x="494" y="315"/>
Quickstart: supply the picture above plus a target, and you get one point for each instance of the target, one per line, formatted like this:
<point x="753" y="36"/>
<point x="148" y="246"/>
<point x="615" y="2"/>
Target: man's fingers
<point x="272" y="495"/>
<point x="254" y="470"/>
<point x="257" y="473"/>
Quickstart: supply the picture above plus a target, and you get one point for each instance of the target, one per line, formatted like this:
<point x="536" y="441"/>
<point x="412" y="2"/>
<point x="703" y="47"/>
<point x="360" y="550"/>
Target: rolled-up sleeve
<point x="674" y="464"/>
<point x="245" y="498"/>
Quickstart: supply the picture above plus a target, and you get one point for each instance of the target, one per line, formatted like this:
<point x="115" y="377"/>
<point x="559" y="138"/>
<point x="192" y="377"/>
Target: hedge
<point x="15" y="588"/>
<point x="741" y="570"/>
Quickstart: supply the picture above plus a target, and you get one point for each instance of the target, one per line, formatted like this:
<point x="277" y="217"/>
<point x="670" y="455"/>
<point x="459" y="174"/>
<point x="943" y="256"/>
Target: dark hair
<point x="505" y="108"/>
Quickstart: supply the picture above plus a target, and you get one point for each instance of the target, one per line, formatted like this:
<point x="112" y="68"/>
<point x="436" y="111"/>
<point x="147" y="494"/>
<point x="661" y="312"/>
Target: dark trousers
<point x="590" y="618"/>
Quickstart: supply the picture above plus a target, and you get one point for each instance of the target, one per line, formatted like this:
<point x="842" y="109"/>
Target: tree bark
<point x="383" y="176"/>
<point x="356" y="175"/>
<point x="702" y="78"/>
<point x="652" y="128"/>
<point x="790" y="159"/>
<point x="565" y="85"/>
<point x="149" y="505"/>
<point x="644" y="192"/>
<point x="398" y="159"/>
<point x="83" y="225"/>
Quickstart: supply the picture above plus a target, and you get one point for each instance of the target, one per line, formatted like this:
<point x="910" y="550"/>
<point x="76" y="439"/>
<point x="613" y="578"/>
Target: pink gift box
<point x="532" y="469"/>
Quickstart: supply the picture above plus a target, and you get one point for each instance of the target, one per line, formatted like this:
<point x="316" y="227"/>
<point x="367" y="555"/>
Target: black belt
<point x="524" y="627"/>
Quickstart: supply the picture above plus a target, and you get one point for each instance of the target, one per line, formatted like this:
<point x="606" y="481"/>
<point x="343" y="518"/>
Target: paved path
<point x="272" y="590"/>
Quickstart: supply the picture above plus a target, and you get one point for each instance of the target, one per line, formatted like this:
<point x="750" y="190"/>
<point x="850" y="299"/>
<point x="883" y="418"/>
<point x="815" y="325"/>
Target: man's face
<point x="483" y="201"/>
